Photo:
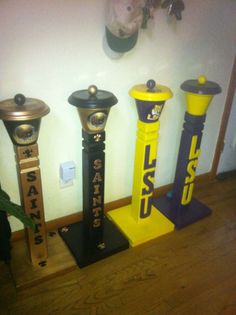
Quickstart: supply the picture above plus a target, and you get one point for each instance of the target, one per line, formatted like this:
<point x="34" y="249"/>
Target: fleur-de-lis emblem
<point x="28" y="153"/>
<point x="97" y="137"/>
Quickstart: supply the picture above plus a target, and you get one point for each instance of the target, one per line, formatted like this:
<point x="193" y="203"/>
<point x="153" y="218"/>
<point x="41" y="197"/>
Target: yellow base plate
<point x="144" y="230"/>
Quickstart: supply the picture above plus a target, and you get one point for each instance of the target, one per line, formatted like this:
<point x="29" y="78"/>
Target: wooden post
<point x="22" y="118"/>
<point x="138" y="221"/>
<point x="180" y="207"/>
<point x="144" y="169"/>
<point x="93" y="189"/>
<point x="95" y="237"/>
<point x="32" y="199"/>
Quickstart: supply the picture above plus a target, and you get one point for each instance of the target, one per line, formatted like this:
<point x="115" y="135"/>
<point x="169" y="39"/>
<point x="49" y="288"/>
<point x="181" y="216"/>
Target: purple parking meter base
<point x="195" y="211"/>
<point x="83" y="252"/>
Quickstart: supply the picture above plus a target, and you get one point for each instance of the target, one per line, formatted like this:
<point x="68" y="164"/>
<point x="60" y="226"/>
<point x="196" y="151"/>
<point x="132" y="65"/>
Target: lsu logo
<point x="191" y="168"/>
<point x="148" y="183"/>
<point x="155" y="113"/>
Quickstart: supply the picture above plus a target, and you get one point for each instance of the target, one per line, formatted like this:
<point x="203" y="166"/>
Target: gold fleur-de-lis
<point x="97" y="137"/>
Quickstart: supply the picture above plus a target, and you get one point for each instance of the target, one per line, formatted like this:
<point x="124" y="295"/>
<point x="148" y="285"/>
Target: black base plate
<point x="74" y="239"/>
<point x="194" y="212"/>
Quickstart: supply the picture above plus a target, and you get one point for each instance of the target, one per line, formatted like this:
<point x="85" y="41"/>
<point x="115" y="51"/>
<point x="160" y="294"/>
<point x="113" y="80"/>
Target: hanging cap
<point x="123" y="20"/>
<point x="151" y="92"/>
<point x="121" y="44"/>
<point x="92" y="98"/>
<point x="201" y="86"/>
<point x="21" y="108"/>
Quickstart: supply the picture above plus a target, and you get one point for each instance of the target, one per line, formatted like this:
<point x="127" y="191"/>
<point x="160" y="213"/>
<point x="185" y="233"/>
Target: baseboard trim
<point x="226" y="175"/>
<point x="75" y="217"/>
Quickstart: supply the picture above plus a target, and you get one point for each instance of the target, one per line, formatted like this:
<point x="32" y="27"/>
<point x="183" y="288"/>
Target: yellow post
<point x="144" y="169"/>
<point x="137" y="221"/>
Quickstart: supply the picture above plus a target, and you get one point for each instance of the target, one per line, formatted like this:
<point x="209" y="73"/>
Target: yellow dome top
<point x="151" y="92"/>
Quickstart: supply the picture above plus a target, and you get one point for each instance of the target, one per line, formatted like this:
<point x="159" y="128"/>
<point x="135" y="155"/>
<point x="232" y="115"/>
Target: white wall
<point x="51" y="48"/>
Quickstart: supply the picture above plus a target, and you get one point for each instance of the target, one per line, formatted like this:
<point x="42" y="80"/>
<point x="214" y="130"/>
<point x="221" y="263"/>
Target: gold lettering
<point x="96" y="189"/>
<point x="97" y="201"/>
<point x="97" y="197"/>
<point x="97" y="164"/>
<point x="97" y="211"/>
<point x="97" y="178"/>
<point x="96" y="223"/>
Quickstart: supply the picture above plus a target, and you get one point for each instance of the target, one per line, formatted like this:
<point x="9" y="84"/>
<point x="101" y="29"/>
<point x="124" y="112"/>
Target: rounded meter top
<point x="92" y="98"/>
<point x="21" y="108"/>
<point x="201" y="86"/>
<point x="199" y="94"/>
<point x="150" y="92"/>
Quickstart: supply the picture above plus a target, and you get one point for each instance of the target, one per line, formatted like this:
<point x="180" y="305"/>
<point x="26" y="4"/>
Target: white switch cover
<point x="67" y="173"/>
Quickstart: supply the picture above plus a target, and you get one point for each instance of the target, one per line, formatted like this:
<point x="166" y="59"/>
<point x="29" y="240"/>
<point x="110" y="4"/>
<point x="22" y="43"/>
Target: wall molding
<point x="224" y="121"/>
<point x="75" y="217"/>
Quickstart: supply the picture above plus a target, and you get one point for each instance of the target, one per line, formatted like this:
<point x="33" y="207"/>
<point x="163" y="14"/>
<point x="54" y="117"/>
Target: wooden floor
<point x="187" y="272"/>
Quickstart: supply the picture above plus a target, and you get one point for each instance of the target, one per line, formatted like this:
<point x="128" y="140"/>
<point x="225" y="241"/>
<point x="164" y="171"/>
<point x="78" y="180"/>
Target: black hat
<point x="121" y="44"/>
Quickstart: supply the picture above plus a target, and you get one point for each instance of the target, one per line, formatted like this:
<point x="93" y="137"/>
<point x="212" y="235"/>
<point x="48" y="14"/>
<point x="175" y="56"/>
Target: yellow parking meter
<point x="139" y="221"/>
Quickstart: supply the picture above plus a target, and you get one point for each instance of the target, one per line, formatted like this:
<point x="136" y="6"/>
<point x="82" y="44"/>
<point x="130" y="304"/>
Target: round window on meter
<point x="25" y="134"/>
<point x="97" y="121"/>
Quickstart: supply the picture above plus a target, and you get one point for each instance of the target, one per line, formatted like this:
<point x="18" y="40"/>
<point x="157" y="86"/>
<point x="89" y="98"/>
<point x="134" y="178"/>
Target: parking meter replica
<point x="180" y="207"/>
<point x="95" y="237"/>
<point x="22" y="118"/>
<point x="139" y="221"/>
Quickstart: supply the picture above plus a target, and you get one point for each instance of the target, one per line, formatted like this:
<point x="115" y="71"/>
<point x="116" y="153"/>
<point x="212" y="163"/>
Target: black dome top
<point x="201" y="86"/>
<point x="92" y="98"/>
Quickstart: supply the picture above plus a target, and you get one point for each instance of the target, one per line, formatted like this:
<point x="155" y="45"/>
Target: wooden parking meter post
<point x="22" y="118"/>
<point x="179" y="206"/>
<point x="95" y="237"/>
<point x="140" y="222"/>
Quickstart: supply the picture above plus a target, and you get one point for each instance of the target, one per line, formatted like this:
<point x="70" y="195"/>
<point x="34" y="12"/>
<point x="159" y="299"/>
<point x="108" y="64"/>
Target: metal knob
<point x="19" y="99"/>
<point x="92" y="89"/>
<point x="202" y="79"/>
<point x="150" y="85"/>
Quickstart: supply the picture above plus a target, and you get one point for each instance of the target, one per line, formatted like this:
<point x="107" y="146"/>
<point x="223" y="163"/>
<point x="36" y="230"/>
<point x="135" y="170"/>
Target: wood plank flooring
<point x="187" y="272"/>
